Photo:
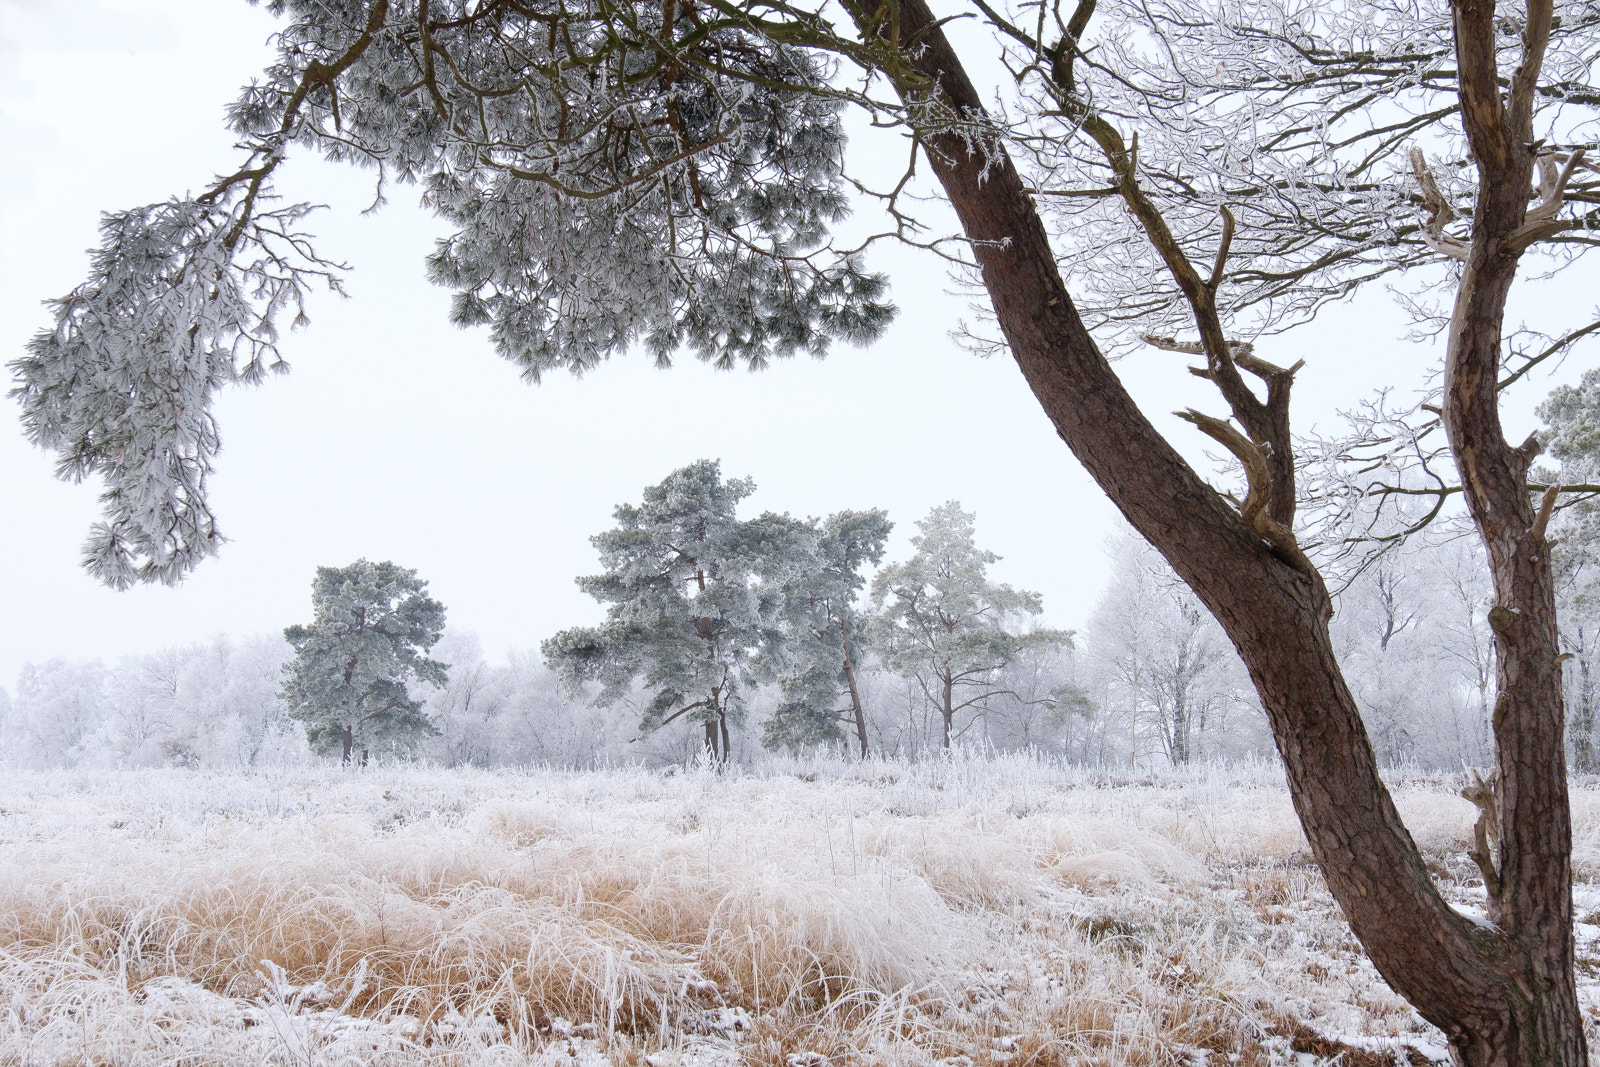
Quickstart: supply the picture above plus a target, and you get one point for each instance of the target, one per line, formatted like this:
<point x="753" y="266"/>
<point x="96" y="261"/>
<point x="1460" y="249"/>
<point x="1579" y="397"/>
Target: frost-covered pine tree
<point x="688" y="618"/>
<point x="349" y="682"/>
<point x="940" y="622"/>
<point x="612" y="180"/>
<point x="826" y="631"/>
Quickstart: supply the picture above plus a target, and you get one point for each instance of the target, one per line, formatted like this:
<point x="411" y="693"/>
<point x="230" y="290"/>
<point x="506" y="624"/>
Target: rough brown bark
<point x="1502" y="995"/>
<point x="1534" y="905"/>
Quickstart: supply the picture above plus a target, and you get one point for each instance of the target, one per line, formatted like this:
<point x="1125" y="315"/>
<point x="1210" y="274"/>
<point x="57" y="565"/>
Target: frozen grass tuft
<point x="973" y="913"/>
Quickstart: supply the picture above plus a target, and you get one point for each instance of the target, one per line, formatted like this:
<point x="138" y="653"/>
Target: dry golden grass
<point x="971" y="913"/>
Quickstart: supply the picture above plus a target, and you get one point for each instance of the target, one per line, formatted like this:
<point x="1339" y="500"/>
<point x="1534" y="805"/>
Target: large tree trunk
<point x="1502" y="995"/>
<point x="1533" y="902"/>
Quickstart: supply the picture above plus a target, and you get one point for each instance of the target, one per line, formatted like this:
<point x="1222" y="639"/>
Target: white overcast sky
<point x="398" y="437"/>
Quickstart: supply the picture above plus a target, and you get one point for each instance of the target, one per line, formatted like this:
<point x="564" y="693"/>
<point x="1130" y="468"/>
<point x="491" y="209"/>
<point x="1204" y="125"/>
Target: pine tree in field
<point x="941" y="623"/>
<point x="349" y="682"/>
<point x="703" y="606"/>
<point x="686" y="614"/>
<point x="826" y="631"/>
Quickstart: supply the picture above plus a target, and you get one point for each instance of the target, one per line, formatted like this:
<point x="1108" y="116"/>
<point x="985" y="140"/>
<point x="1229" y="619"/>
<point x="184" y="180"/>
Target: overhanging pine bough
<point x="668" y="172"/>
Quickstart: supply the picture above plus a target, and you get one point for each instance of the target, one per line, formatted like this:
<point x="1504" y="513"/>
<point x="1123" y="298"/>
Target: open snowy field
<point x="970" y="912"/>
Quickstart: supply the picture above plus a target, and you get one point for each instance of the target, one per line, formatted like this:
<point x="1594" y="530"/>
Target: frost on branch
<point x="717" y="254"/>
<point x="121" y="385"/>
<point x="618" y="173"/>
<point x="1302" y="119"/>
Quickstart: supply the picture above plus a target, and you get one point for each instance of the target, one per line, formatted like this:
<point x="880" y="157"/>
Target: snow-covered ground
<point x="974" y="913"/>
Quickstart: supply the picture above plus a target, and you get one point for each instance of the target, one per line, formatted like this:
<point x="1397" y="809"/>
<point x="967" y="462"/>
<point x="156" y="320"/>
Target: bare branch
<point x="1541" y="219"/>
<point x="1486" y="832"/>
<point x="1442" y="214"/>
<point x="1222" y="249"/>
<point x="1547" y="506"/>
<point x="1259" y="486"/>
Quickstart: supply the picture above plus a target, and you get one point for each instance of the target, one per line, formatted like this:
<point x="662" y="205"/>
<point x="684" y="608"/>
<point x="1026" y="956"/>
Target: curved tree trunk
<point x="1502" y="994"/>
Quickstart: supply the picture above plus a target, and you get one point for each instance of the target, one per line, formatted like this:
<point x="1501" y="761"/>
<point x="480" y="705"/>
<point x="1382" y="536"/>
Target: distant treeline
<point x="1161" y="687"/>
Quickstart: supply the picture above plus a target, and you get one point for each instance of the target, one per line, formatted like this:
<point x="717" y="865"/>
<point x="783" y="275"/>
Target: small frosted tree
<point x="1163" y="655"/>
<point x="687" y="617"/>
<point x="468" y="711"/>
<point x="939" y="622"/>
<point x="349" y="682"/>
<point x="58" y="715"/>
<point x="826" y="631"/>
